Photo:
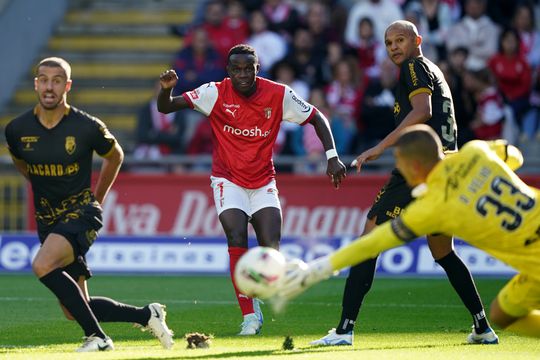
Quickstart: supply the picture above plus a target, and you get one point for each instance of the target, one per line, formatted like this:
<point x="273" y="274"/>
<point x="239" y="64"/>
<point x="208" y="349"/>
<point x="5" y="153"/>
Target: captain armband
<point x="402" y="231"/>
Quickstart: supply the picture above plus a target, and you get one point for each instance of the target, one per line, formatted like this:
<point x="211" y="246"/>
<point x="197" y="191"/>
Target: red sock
<point x="246" y="303"/>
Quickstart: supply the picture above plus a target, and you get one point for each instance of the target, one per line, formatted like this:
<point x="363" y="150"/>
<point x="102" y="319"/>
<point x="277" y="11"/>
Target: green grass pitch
<point x="402" y="318"/>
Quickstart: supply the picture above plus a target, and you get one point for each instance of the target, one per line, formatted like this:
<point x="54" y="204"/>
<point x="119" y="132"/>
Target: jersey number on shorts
<point x="511" y="214"/>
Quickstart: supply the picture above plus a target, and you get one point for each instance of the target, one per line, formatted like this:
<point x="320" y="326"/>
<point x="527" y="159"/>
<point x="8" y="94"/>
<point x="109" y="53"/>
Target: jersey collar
<point x="37" y="110"/>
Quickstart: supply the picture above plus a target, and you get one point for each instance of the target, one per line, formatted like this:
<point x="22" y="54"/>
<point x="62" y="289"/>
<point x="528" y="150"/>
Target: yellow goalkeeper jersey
<point x="475" y="195"/>
<point x="472" y="194"/>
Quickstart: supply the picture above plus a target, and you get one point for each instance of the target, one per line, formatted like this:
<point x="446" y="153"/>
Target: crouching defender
<point x="486" y="204"/>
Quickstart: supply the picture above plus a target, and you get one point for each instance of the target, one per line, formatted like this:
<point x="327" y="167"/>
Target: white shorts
<point x="228" y="195"/>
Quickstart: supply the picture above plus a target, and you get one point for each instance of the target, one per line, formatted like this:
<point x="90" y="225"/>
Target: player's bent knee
<point x="41" y="268"/>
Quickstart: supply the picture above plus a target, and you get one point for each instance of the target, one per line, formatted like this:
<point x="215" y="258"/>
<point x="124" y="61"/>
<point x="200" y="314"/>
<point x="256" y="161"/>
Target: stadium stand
<point x="117" y="50"/>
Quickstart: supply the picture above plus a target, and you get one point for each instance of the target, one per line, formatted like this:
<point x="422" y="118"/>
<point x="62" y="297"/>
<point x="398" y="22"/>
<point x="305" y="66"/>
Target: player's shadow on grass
<point x="303" y="350"/>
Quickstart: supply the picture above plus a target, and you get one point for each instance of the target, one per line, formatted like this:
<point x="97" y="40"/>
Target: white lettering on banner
<point x="16" y="255"/>
<point x="196" y="216"/>
<point x="323" y="221"/>
<point x="476" y="260"/>
<point x="149" y="257"/>
<point x="397" y="260"/>
<point x="137" y="219"/>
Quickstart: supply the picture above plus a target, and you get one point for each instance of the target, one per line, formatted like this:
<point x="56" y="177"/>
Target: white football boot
<point x="333" y="339"/>
<point x="252" y="323"/>
<point x="95" y="343"/>
<point x="157" y="325"/>
<point x="488" y="337"/>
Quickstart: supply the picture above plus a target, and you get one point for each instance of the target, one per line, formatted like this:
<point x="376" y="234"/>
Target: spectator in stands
<point x="381" y="12"/>
<point x="157" y="134"/>
<point x="523" y="21"/>
<point x="476" y="32"/>
<point x="335" y="51"/>
<point x="283" y="17"/>
<point x="454" y="71"/>
<point x="512" y="74"/>
<point x="377" y="111"/>
<point x="197" y="63"/>
<point x="222" y="33"/>
<point x="434" y="22"/>
<point x="369" y="49"/>
<point x="531" y="120"/>
<point x="488" y="121"/>
<point x="237" y="19"/>
<point x="289" y="139"/>
<point x="308" y="66"/>
<point x="314" y="151"/>
<point x="201" y="144"/>
<point x="270" y="45"/>
<point x="318" y="23"/>
<point x="343" y="95"/>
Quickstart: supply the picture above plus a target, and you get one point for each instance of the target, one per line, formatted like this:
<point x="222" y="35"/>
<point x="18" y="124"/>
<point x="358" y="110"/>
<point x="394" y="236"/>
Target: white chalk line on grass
<point x="231" y="302"/>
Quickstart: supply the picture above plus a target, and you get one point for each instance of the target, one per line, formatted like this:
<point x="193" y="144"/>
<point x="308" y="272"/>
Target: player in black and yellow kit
<point x="485" y="203"/>
<point x="52" y="146"/>
<point x="422" y="96"/>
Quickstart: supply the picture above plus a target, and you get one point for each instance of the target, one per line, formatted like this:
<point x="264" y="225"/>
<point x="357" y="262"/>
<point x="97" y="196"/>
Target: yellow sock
<point x="528" y="325"/>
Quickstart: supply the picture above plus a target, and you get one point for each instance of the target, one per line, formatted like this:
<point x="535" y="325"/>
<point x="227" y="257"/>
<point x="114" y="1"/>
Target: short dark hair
<point x="55" y="62"/>
<point x="420" y="142"/>
<point x="243" y="49"/>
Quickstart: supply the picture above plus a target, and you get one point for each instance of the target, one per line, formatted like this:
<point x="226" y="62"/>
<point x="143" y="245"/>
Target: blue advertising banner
<point x="208" y="255"/>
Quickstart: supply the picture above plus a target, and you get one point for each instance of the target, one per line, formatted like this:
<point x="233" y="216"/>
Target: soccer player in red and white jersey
<point x="245" y="112"/>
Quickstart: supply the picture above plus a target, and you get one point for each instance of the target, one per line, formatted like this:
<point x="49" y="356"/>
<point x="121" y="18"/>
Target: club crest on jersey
<point x="194" y="94"/>
<point x="267" y="113"/>
<point x="27" y="141"/>
<point x="70" y="144"/>
<point x="397" y="108"/>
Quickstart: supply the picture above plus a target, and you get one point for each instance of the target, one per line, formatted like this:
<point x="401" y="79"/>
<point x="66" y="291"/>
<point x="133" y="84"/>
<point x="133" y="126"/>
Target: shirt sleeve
<point x="416" y="78"/>
<point x="203" y="98"/>
<point x="101" y="138"/>
<point x="365" y="247"/>
<point x="419" y="217"/>
<point x="10" y="139"/>
<point x="296" y="109"/>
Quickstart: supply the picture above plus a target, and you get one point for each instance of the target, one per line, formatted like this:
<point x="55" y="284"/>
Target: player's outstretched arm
<point x="165" y="102"/>
<point x="300" y="276"/>
<point x="420" y="113"/>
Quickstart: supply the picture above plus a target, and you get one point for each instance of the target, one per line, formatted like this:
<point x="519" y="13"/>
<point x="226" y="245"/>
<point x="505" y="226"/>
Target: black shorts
<point x="79" y="226"/>
<point x="393" y="197"/>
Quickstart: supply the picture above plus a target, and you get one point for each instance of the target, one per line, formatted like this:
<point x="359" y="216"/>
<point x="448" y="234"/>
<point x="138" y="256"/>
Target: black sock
<point x="70" y="295"/>
<point x="109" y="310"/>
<point x="463" y="284"/>
<point x="357" y="286"/>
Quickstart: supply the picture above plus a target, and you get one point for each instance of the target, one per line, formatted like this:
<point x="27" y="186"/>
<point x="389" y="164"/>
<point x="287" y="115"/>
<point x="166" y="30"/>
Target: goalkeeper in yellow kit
<point x="486" y="204"/>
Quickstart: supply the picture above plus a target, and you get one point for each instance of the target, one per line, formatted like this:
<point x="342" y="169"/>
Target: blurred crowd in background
<point x="332" y="53"/>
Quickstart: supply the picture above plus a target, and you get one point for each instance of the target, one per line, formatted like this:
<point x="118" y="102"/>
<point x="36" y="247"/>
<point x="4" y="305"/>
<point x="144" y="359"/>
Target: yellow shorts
<point x="520" y="295"/>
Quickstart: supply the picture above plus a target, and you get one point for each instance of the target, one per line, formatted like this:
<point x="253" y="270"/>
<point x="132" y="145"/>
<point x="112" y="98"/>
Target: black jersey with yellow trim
<point x="420" y="75"/>
<point x="58" y="160"/>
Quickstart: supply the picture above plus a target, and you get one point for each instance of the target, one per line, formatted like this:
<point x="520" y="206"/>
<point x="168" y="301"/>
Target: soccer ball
<point x="259" y="271"/>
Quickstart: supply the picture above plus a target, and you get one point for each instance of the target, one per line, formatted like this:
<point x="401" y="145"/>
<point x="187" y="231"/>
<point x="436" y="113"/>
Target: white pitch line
<point x="232" y="302"/>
